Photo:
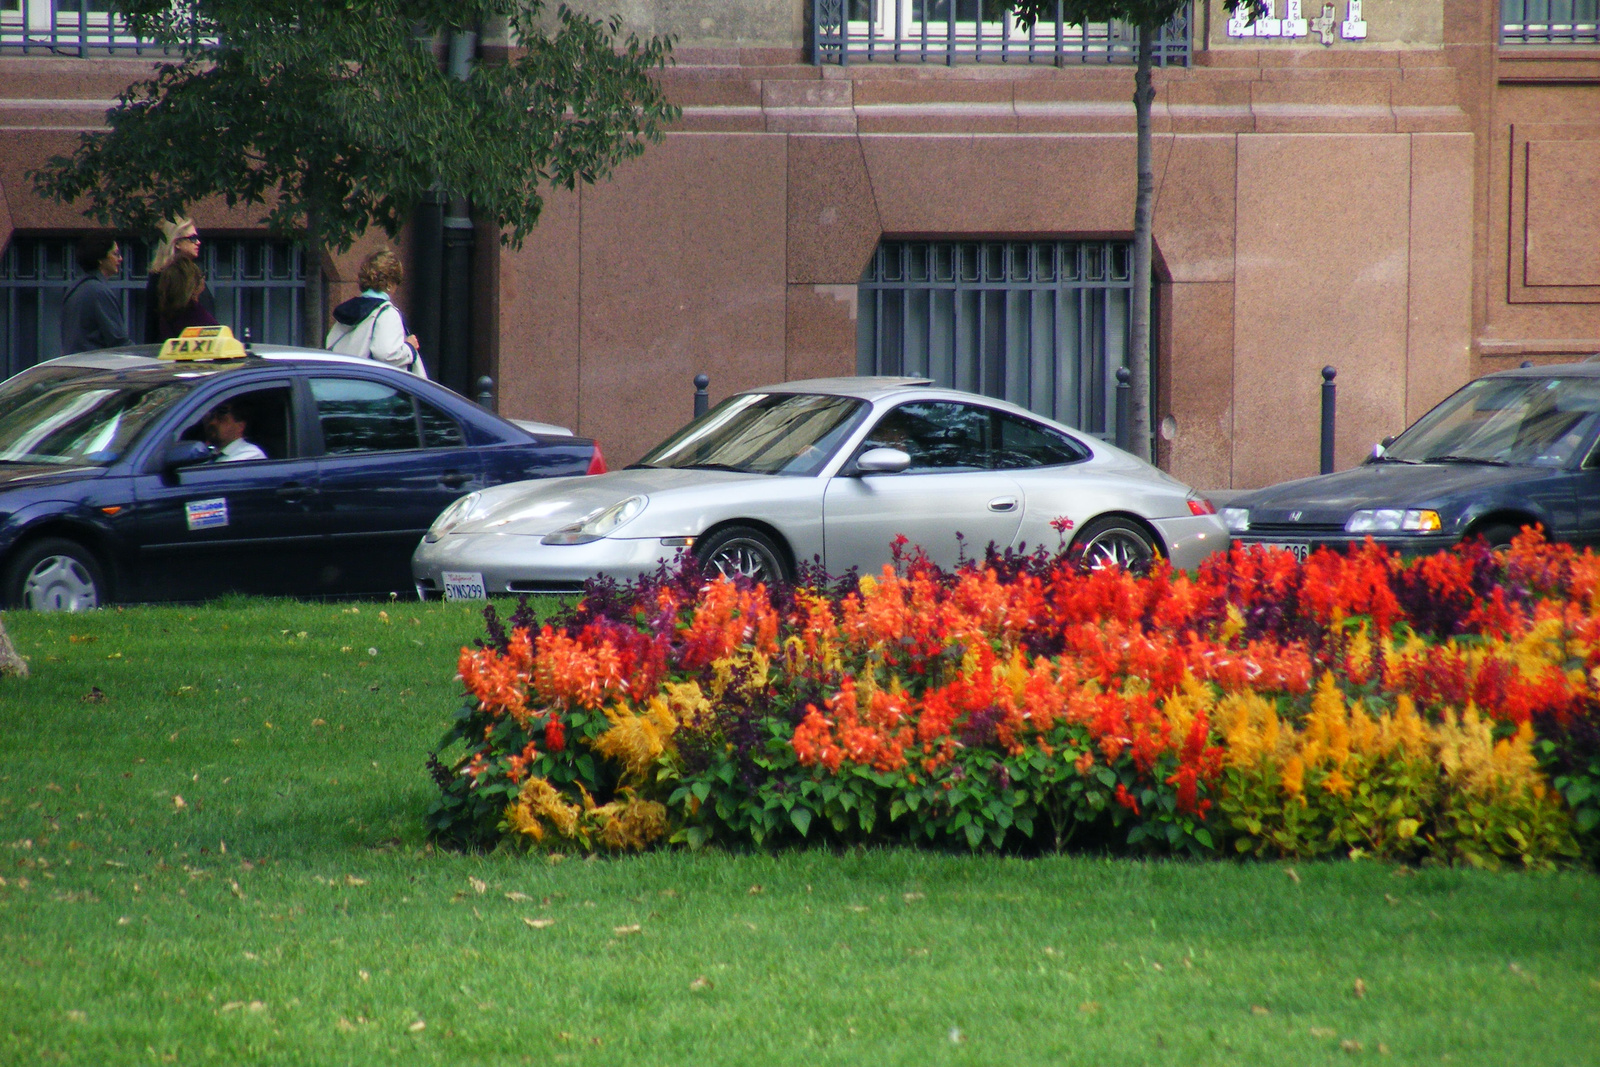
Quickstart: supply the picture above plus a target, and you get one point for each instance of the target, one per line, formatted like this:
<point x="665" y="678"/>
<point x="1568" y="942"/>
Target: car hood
<point x="541" y="506"/>
<point x="1332" y="497"/>
<point x="29" y="475"/>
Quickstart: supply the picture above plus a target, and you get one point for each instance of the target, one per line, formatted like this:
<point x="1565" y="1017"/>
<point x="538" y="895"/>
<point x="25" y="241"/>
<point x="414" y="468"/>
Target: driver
<point x="225" y="428"/>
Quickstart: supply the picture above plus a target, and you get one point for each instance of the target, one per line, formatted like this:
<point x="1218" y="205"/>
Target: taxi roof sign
<point x="203" y="342"/>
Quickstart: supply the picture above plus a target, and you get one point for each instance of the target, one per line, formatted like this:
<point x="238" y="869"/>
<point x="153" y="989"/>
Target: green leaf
<point x="1107" y="776"/>
<point x="701" y="789"/>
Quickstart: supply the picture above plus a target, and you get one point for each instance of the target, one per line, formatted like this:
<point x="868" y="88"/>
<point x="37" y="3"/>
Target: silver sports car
<point x="830" y="470"/>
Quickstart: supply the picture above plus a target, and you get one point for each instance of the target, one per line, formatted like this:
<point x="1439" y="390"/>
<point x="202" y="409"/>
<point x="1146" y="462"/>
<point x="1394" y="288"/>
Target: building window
<point x="258" y="284"/>
<point x="1549" y="22"/>
<point x="976" y="31"/>
<point x="1042" y="324"/>
<point x="67" y="27"/>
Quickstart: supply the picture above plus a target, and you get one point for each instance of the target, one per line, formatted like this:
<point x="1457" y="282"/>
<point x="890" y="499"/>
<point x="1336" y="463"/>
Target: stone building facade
<point x="1414" y="207"/>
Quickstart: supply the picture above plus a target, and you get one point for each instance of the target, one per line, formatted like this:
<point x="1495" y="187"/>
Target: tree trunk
<point x="314" y="326"/>
<point x="1139" y="341"/>
<point x="10" y="662"/>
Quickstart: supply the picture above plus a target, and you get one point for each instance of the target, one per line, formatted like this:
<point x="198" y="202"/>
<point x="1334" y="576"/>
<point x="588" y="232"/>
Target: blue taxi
<point x="281" y="472"/>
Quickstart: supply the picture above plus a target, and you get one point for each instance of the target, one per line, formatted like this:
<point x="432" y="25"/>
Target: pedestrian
<point x="369" y="325"/>
<point x="91" y="313"/>
<point x="178" y="298"/>
<point x="179" y="240"/>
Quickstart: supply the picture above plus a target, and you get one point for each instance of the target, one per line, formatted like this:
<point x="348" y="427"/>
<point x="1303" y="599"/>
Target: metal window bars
<point x="964" y="31"/>
<point x="69" y="27"/>
<point x="257" y="283"/>
<point x="1042" y="324"/>
<point x="1550" y="22"/>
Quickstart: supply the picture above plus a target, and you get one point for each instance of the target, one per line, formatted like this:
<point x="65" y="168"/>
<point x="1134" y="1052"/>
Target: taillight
<point x="1199" y="505"/>
<point x="597" y="462"/>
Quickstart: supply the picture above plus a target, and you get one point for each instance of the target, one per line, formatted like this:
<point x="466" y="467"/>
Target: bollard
<point x="1329" y="391"/>
<point x="702" y="399"/>
<point x="1525" y="364"/>
<point x="486" y="393"/>
<point x="1124" y="398"/>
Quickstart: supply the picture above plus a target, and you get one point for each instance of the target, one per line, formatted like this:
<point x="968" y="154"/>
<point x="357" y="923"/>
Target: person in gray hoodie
<point x="369" y="325"/>
<point x="91" y="314"/>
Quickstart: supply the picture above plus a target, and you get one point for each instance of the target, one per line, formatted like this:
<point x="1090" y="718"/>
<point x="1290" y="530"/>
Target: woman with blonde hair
<point x="370" y="326"/>
<point x="180" y="240"/>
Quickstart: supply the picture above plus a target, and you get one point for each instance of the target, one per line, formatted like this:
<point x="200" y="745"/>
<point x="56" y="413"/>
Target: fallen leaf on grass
<point x="346" y="1026"/>
<point x="1359" y="989"/>
<point x="233" y="1005"/>
<point x="319" y="722"/>
<point x="543" y="924"/>
<point x="517" y="896"/>
<point x="124" y="921"/>
<point x="1322" y="1031"/>
<point x="178" y="803"/>
<point x="417" y="1027"/>
<point x="352" y="880"/>
<point x="1051" y="952"/>
<point x="755" y="890"/>
<point x="479" y="886"/>
<point x="1257" y="1009"/>
<point x="1383" y="1050"/>
<point x="95" y="695"/>
<point x="1089" y="1007"/>
<point x="914" y="896"/>
<point x="700" y="983"/>
<point x="956" y="1036"/>
<point x="1294" y="876"/>
<point x="621" y="931"/>
<point x="1350" y="1045"/>
<point x="77" y="1017"/>
<point x="1391" y="898"/>
<point x="857" y="908"/>
<point x="365" y="975"/>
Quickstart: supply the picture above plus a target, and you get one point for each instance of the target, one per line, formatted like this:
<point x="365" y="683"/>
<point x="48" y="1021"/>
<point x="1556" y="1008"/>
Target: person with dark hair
<point x="178" y="298"/>
<point x="225" y="426"/>
<point x="179" y="240"/>
<point x="91" y="314"/>
<point x="370" y="326"/>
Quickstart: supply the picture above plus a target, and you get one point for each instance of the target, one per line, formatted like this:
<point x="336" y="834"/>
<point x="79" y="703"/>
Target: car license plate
<point x="463" y="585"/>
<point x="1300" y="549"/>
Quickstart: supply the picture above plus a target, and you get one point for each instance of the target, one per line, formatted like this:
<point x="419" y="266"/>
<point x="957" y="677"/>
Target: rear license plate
<point x="1300" y="549"/>
<point x="463" y="585"/>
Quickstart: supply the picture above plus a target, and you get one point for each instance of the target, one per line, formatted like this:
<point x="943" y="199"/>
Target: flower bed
<point x="1444" y="708"/>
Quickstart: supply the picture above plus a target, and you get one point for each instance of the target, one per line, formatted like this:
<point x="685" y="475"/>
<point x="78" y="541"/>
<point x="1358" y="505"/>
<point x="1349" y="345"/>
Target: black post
<point x="1329" y="397"/>
<point x="426" y="277"/>
<point x="486" y="393"/>
<point x="702" y="399"/>
<point x="1124" y="415"/>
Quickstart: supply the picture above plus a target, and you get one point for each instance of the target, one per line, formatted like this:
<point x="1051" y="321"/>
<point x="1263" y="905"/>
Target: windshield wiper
<point x="1386" y="458"/>
<point x="1468" y="459"/>
<point x="714" y="467"/>
<point x="640" y="467"/>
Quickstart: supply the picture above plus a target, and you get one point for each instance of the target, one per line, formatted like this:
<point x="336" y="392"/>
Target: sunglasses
<point x="188" y="237"/>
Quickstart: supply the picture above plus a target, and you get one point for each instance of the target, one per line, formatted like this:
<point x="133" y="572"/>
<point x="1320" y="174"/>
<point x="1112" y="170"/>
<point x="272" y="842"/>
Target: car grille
<point x="1296" y="529"/>
<point x="544" y="587"/>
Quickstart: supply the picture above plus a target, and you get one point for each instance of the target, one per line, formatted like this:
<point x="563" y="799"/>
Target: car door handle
<point x="292" y="491"/>
<point x="454" y="480"/>
<point x="1003" y="503"/>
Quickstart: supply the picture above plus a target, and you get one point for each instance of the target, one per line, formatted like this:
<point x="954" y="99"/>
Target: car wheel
<point x="54" y="575"/>
<point x="740" y="551"/>
<point x="1113" y="542"/>
<point x="1498" y="535"/>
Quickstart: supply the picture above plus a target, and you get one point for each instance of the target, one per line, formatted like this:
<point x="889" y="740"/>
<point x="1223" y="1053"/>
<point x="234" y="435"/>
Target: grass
<point x="290" y="910"/>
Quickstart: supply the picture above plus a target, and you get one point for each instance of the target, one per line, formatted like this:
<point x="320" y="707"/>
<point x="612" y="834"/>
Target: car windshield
<point x="1541" y="422"/>
<point x="761" y="433"/>
<point x="77" y="416"/>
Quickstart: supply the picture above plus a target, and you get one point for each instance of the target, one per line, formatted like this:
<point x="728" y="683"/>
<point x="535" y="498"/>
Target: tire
<point x="1498" y="535"/>
<point x="1112" y="542"/>
<point x="742" y="551"/>
<point x="53" y="574"/>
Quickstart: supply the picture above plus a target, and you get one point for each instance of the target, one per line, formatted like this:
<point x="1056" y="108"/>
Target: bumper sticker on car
<point x="206" y="514"/>
<point x="463" y="585"/>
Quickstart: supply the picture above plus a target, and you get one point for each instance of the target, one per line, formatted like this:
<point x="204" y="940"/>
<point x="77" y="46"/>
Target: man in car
<point x="225" y="428"/>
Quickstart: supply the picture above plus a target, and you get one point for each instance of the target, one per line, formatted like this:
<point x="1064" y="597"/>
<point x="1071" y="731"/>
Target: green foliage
<point x="337" y="115"/>
<point x="1523" y="825"/>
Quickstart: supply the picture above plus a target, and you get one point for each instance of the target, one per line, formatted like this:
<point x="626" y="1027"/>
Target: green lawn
<point x="289" y="911"/>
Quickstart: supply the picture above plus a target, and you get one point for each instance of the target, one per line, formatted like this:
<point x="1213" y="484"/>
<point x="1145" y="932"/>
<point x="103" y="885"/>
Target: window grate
<point x="69" y="27"/>
<point x="1042" y="324"/>
<point x="258" y="284"/>
<point x="1550" y="22"/>
<point x="966" y="31"/>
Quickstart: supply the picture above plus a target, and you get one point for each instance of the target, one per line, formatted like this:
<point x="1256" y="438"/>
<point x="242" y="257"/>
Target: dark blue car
<point x="1506" y="451"/>
<point x="109" y="489"/>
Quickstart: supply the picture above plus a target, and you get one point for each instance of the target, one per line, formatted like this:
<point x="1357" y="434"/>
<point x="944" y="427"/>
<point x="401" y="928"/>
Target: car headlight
<point x="1238" y="519"/>
<point x="597" y="524"/>
<point x="1394" y="520"/>
<point x="452" y="516"/>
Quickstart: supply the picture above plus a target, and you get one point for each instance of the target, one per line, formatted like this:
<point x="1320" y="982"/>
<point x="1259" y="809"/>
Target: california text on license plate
<point x="1300" y="549"/>
<point x="463" y="585"/>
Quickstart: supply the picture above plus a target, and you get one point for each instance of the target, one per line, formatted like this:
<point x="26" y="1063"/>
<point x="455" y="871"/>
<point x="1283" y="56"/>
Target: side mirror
<point x="1379" y="449"/>
<point x="187" y="454"/>
<point x="882" y="461"/>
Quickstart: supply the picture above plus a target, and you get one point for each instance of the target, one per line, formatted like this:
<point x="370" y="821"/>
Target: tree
<point x="1147" y="16"/>
<point x="337" y="115"/>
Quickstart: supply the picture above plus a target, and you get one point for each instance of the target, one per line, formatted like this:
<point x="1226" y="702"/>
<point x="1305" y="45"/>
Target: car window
<point x="761" y="433"/>
<point x="937" y="435"/>
<point x="1021" y="443"/>
<point x="358" y="415"/>
<point x="263" y="416"/>
<point x="438" y="429"/>
<point x="1522" y="420"/>
<point x="72" y="417"/>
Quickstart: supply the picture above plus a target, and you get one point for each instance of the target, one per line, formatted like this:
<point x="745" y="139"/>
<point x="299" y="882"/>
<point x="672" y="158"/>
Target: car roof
<point x="863" y="387"/>
<point x="1590" y="368"/>
<point x="133" y="357"/>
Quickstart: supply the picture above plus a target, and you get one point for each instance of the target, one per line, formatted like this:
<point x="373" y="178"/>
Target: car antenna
<point x="247" y="349"/>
